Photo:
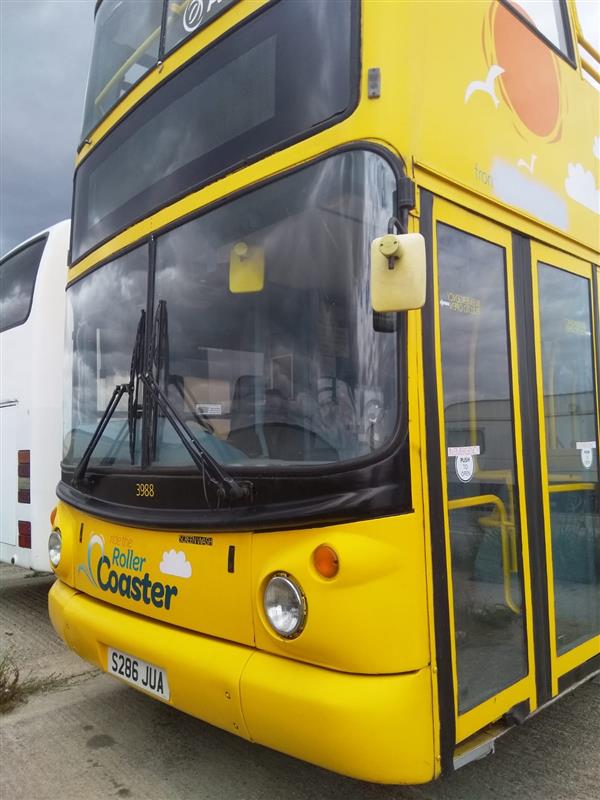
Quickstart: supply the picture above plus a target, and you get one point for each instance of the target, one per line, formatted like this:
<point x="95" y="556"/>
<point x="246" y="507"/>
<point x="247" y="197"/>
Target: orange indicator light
<point x="326" y="561"/>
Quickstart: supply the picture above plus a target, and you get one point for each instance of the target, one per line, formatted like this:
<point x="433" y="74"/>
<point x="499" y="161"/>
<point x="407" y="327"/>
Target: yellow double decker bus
<point x="330" y="475"/>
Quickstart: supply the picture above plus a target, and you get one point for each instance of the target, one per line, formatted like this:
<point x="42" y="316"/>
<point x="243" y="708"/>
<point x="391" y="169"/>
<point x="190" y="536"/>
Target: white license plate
<point x="139" y="673"/>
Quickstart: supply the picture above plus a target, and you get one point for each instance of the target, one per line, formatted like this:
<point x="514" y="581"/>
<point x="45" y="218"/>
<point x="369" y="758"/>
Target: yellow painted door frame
<point x="543" y="257"/>
<point x="523" y="689"/>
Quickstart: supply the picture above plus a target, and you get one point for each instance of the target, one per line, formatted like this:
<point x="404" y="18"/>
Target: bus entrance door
<point x="564" y="302"/>
<point x="481" y="468"/>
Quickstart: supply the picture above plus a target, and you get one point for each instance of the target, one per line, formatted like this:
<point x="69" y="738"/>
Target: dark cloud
<point x="45" y="50"/>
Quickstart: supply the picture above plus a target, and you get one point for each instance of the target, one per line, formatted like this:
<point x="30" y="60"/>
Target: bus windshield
<point x="262" y="333"/>
<point x="282" y="74"/>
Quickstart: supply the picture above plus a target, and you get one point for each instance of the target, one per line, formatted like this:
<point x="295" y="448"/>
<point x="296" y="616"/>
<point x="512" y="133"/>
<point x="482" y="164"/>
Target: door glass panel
<point x="482" y="490"/>
<point x="572" y="453"/>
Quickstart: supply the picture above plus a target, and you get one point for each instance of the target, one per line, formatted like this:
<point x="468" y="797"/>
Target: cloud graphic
<point x="596" y="148"/>
<point x="527" y="193"/>
<point x="175" y="563"/>
<point x="580" y="185"/>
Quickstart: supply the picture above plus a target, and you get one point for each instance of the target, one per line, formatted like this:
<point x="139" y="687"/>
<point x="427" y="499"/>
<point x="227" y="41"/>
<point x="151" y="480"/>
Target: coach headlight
<point x="285" y="605"/>
<point x="55" y="547"/>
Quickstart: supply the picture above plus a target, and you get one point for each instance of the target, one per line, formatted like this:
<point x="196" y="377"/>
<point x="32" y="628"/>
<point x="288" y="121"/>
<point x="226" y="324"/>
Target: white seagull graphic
<point x="486" y="86"/>
<point x="522" y="163"/>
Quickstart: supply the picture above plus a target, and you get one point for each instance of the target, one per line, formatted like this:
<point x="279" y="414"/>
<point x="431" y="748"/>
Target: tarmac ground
<point x="83" y="735"/>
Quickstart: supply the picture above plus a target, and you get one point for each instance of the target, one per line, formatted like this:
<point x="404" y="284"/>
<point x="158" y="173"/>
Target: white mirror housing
<point x="398" y="272"/>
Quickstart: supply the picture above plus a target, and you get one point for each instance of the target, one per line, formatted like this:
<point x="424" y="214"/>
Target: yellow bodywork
<point x="360" y="670"/>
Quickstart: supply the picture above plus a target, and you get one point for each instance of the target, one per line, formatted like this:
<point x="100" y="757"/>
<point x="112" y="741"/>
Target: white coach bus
<point x="32" y="308"/>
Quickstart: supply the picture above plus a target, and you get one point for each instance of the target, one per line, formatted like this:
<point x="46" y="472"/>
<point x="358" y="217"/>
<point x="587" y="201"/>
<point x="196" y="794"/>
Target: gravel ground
<point x="85" y="735"/>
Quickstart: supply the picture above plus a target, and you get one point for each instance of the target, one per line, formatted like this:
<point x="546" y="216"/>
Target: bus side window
<point x="17" y="282"/>
<point x="548" y="18"/>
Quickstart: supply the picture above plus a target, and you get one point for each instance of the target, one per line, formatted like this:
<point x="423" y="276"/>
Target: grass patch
<point x="13" y="690"/>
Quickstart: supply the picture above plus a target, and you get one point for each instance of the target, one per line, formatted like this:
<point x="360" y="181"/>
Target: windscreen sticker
<point x="461" y="303"/>
<point x="209" y="409"/>
<point x="470" y="450"/>
<point x="587" y="453"/>
<point x="577" y="327"/>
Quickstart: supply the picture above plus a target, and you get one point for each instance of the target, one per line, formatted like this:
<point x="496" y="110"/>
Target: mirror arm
<point x="406" y="200"/>
<point x="394" y="222"/>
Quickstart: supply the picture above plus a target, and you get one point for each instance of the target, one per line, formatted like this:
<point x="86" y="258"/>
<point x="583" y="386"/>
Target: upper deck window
<point x="126" y="46"/>
<point x="548" y="17"/>
<point x="17" y="281"/>
<point x="285" y="73"/>
<point x="588" y="15"/>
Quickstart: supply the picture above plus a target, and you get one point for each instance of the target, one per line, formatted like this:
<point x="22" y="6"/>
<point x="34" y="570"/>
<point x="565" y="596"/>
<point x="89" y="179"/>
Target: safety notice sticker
<point x="464" y="461"/>
<point x="587" y="453"/>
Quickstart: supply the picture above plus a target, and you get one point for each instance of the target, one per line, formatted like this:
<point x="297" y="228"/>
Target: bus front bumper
<point x="374" y="728"/>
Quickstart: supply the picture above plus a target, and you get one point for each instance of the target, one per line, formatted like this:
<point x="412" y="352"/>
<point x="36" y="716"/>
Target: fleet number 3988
<point x="144" y="490"/>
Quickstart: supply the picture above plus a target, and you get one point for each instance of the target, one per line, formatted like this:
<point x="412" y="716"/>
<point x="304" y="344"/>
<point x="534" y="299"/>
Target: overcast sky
<point x="45" y="49"/>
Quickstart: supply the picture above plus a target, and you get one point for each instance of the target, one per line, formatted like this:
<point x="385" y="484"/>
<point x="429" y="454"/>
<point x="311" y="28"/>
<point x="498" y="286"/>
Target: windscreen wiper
<point x="226" y="486"/>
<point x="134" y="384"/>
<point x="79" y="474"/>
<point x="159" y="365"/>
<point x="131" y="388"/>
<point x="158" y="374"/>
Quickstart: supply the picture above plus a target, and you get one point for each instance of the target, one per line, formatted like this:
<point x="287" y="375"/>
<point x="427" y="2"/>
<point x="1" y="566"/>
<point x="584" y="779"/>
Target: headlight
<point x="285" y="605"/>
<point x="55" y="547"/>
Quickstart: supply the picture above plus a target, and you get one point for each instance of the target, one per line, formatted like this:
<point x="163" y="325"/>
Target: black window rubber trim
<point x="437" y="524"/>
<point x="532" y="466"/>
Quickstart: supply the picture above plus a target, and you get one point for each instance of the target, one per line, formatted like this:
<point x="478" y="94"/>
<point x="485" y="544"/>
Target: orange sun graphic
<point x="530" y="83"/>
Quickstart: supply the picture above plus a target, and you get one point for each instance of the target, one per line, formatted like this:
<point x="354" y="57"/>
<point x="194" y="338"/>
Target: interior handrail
<point x="126" y="64"/>
<point x="506" y="527"/>
<point x="572" y="487"/>
<point x="176" y="8"/>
